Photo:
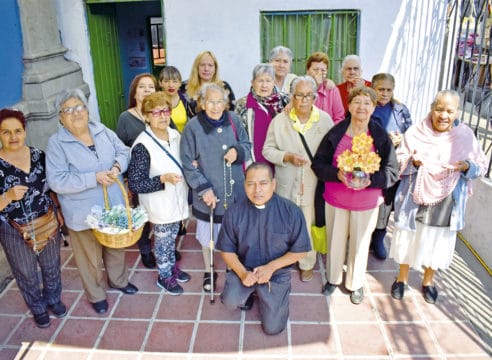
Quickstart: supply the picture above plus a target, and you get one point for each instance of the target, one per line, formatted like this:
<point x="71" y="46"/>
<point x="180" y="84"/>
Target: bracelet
<point x="116" y="165"/>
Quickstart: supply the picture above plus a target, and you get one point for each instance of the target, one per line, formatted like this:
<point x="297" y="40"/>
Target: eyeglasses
<point x="156" y="113"/>
<point x="214" y="102"/>
<point x="304" y="97"/>
<point x="70" y="110"/>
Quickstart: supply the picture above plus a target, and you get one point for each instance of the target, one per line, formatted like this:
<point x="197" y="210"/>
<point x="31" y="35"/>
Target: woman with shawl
<point x="438" y="157"/>
<point x="259" y="107"/>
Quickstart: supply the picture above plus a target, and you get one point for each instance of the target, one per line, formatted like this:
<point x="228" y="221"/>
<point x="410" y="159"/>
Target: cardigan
<point x="71" y="169"/>
<point x="202" y="149"/>
<point x="388" y="170"/>
<point x="282" y="138"/>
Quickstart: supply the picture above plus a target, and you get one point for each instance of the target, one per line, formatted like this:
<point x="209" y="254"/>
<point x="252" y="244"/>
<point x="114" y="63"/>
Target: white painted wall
<point x="403" y="37"/>
<point x="477" y="229"/>
<point x="75" y="37"/>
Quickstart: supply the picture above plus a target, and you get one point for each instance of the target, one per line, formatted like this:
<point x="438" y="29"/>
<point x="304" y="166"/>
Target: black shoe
<point x="180" y="275"/>
<point x="249" y="303"/>
<point x="398" y="290"/>
<point x="148" y="260"/>
<point x="207" y="283"/>
<point x="170" y="285"/>
<point x="377" y="244"/>
<point x="100" y="307"/>
<point x="357" y="296"/>
<point x="129" y="289"/>
<point x="42" y="320"/>
<point x="177" y="255"/>
<point x="430" y="294"/>
<point x="182" y="229"/>
<point x="328" y="289"/>
<point x="59" y="309"/>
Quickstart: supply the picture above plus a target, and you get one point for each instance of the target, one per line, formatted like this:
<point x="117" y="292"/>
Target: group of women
<point x="187" y="136"/>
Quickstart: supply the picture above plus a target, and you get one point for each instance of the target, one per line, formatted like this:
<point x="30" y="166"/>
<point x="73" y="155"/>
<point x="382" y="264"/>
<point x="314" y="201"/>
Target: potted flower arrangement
<point x="359" y="162"/>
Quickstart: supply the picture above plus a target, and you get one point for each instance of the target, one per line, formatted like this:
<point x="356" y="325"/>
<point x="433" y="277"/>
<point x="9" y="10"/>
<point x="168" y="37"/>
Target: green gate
<point x="106" y="60"/>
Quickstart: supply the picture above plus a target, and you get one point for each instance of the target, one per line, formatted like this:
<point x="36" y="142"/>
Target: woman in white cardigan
<point x="285" y="149"/>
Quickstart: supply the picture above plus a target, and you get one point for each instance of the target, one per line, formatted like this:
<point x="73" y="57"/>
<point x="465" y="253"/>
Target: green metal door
<point x="103" y="33"/>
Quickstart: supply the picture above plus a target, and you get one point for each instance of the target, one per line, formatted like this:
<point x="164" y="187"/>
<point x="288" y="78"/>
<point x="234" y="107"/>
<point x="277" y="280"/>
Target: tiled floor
<point x="151" y="325"/>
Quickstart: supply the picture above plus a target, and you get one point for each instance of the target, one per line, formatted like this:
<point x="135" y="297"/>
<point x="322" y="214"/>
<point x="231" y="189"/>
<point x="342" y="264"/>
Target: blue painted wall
<point x="11" y="65"/>
<point x="133" y="31"/>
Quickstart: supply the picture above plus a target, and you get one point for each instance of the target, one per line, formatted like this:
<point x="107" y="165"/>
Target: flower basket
<point x="359" y="162"/>
<point x="123" y="237"/>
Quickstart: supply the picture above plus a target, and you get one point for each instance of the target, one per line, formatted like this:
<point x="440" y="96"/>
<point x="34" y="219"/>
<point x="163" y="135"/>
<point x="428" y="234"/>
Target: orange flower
<point x="361" y="157"/>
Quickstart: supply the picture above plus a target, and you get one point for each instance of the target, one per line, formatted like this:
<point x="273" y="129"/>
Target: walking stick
<point x="212" y="300"/>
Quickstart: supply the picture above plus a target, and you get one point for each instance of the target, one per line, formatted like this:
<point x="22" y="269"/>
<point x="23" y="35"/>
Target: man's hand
<point x="264" y="273"/>
<point x="249" y="278"/>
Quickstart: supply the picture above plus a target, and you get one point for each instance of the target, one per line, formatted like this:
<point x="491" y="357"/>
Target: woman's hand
<point x="230" y="156"/>
<point x="105" y="178"/>
<point x="458" y="166"/>
<point x="171" y="178"/>
<point x="342" y="176"/>
<point x="209" y="198"/>
<point x="295" y="159"/>
<point x="395" y="137"/>
<point x="15" y="193"/>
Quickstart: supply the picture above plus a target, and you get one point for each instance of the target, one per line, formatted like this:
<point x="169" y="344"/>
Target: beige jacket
<point x="282" y="138"/>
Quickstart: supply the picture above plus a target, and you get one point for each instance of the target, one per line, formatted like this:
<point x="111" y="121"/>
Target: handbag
<point x="436" y="215"/>
<point x="38" y="232"/>
<point x="318" y="229"/>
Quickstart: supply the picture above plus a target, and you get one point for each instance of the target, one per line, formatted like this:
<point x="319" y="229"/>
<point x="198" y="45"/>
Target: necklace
<point x="139" y="114"/>
<point x="231" y="183"/>
<point x="300" y="194"/>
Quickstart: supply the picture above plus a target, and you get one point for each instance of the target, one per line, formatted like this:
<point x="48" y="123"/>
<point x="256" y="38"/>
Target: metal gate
<point x="467" y="65"/>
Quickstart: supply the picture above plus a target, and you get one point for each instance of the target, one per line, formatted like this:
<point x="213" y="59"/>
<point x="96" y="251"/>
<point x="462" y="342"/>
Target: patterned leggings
<point x="164" y="239"/>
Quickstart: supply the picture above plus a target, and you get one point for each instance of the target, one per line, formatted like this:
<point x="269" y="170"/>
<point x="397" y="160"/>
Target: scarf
<point x="264" y="109"/>
<point x="436" y="149"/>
<point x="212" y="122"/>
<point x="303" y="128"/>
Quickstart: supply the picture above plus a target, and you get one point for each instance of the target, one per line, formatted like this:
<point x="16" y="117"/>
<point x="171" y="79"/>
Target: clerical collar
<point x="260" y="206"/>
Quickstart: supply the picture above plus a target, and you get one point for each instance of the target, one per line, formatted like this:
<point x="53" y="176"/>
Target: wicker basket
<point x="118" y="241"/>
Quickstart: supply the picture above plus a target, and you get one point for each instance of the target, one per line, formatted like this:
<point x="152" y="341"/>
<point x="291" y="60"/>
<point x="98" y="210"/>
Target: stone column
<point x="46" y="71"/>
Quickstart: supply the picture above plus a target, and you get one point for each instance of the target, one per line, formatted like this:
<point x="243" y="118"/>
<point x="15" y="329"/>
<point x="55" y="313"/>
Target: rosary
<point x="231" y="183"/>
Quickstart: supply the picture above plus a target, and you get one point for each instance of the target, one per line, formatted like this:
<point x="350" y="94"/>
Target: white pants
<point x="348" y="236"/>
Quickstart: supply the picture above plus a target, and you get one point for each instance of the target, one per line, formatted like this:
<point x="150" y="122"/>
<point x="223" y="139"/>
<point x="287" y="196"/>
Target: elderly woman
<point x="26" y="200"/>
<point x="395" y="118"/>
<point x="259" y="107"/>
<point x="81" y="157"/>
<point x="281" y="59"/>
<point x="214" y="146"/>
<point x="352" y="76"/>
<point x="291" y="141"/>
<point x="328" y="96"/>
<point x="352" y="213"/>
<point x="438" y="156"/>
<point x="155" y="173"/>
<point x="130" y="125"/>
<point x="205" y="69"/>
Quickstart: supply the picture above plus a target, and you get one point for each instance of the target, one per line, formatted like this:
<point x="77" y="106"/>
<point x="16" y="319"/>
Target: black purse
<point x="436" y="215"/>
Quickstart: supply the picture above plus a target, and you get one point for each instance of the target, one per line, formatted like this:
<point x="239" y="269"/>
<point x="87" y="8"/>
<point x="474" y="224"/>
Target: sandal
<point x="207" y="283"/>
